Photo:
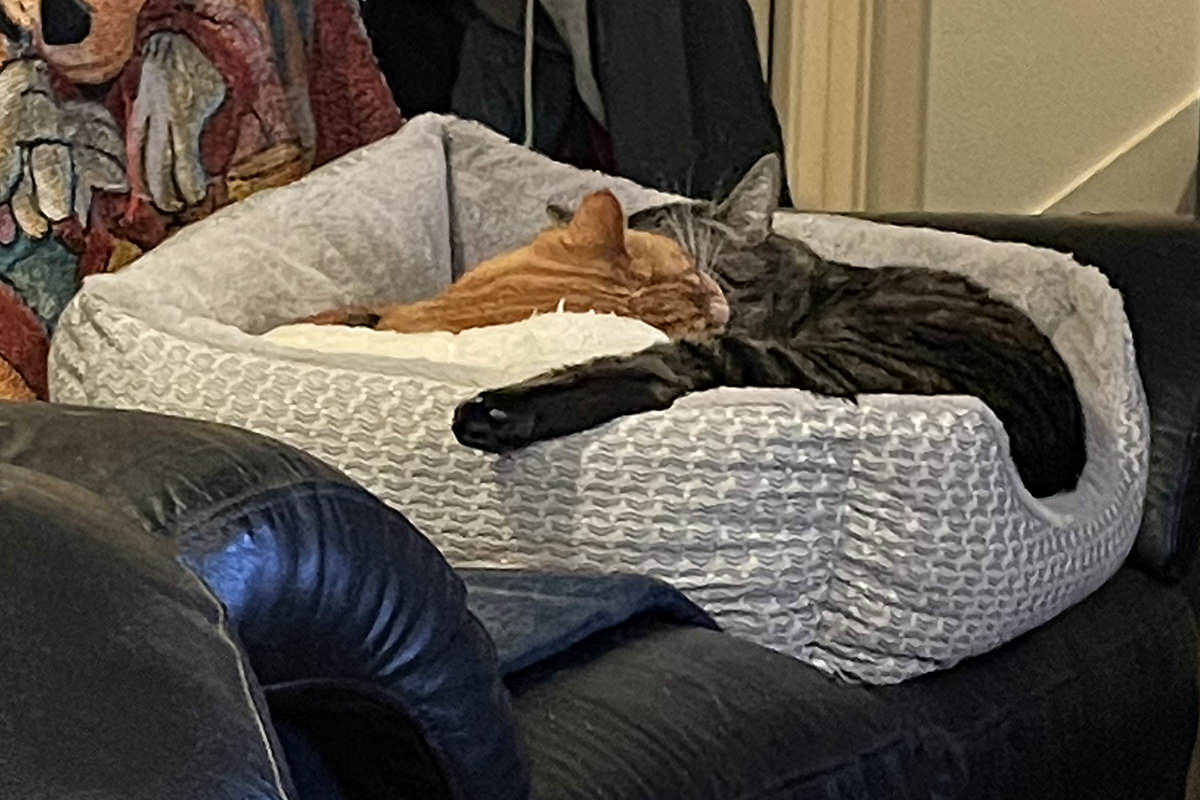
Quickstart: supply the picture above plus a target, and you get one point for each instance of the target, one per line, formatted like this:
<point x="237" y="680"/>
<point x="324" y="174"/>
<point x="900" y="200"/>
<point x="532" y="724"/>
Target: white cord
<point x="530" y="8"/>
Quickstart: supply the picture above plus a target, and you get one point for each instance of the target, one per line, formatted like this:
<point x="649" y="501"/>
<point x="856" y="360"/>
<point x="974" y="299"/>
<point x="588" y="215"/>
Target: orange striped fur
<point x="594" y="263"/>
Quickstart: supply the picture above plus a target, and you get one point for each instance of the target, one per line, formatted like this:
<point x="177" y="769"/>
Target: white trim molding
<point x="899" y="80"/>
<point x="821" y="88"/>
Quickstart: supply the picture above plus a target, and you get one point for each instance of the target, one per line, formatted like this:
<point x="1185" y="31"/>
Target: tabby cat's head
<point x="591" y="262"/>
<point x="740" y="221"/>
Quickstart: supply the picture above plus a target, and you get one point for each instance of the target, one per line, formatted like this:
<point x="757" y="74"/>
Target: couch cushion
<point x="763" y="505"/>
<point x="1099" y="703"/>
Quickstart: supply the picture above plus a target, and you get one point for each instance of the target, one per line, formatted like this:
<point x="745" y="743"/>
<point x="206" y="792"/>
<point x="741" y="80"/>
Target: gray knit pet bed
<point x="875" y="540"/>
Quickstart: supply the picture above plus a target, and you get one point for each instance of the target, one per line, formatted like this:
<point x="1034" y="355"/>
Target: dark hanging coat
<point x="687" y="106"/>
<point x="684" y="106"/>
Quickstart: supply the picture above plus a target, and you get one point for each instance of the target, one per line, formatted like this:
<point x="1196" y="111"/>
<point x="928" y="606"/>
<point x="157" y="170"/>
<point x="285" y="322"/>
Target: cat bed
<point x="875" y="540"/>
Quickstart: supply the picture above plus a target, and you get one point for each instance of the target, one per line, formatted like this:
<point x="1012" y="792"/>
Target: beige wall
<point x="1150" y="175"/>
<point x="1036" y="104"/>
<point x="762" y="26"/>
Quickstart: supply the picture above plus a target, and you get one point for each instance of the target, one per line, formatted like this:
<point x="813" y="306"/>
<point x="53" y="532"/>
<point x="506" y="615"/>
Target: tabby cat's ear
<point x="559" y="216"/>
<point x="749" y="207"/>
<point x="599" y="225"/>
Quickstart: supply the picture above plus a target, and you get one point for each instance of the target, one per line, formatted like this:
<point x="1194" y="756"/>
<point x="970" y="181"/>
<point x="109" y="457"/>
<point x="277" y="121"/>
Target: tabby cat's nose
<point x="718" y="309"/>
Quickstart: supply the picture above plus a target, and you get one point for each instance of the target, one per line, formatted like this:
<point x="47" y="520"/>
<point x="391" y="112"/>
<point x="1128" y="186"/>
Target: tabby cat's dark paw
<point x="487" y="422"/>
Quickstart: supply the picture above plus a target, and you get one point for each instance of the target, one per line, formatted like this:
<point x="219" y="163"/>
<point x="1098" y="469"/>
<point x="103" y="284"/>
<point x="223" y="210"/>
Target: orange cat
<point x="594" y="263"/>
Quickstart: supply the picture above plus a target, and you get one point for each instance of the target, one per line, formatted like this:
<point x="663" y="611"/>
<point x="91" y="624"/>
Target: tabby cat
<point x="783" y="317"/>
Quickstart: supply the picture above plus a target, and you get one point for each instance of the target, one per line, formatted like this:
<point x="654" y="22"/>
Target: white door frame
<point x="848" y="78"/>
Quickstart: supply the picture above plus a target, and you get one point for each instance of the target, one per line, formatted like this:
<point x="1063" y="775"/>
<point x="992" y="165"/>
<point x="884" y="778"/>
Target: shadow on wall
<point x="1189" y="204"/>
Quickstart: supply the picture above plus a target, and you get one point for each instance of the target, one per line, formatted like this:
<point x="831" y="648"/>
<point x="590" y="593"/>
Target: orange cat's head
<point x="592" y="263"/>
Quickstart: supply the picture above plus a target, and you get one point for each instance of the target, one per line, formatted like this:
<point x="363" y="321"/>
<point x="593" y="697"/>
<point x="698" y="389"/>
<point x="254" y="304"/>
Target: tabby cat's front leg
<point x="578" y="398"/>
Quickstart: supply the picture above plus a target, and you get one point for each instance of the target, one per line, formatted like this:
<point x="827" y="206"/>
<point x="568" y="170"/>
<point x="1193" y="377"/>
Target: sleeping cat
<point x="589" y="263"/>
<point x="746" y="307"/>
<point x="789" y="319"/>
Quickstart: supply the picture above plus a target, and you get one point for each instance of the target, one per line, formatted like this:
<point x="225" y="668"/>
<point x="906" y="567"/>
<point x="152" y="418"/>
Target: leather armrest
<point x="352" y="621"/>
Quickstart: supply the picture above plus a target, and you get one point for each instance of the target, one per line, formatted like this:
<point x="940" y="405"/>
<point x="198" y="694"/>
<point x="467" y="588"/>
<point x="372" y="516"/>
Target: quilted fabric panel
<point x="876" y="540"/>
<point x="149" y="115"/>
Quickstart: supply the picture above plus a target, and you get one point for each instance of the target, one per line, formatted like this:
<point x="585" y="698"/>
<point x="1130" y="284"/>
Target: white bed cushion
<point x="488" y="357"/>
<point x="876" y="540"/>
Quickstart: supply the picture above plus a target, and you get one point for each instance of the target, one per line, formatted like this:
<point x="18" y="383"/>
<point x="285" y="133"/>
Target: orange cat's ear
<point x="599" y="225"/>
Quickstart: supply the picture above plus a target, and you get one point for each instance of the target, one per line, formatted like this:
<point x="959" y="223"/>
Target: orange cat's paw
<point x="344" y="316"/>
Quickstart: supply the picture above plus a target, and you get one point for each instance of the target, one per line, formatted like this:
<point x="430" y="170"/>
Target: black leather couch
<point x="190" y="611"/>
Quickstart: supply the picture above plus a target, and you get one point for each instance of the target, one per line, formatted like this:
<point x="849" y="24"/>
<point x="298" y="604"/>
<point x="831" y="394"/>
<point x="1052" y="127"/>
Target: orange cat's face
<point x="592" y="264"/>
